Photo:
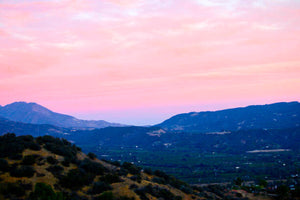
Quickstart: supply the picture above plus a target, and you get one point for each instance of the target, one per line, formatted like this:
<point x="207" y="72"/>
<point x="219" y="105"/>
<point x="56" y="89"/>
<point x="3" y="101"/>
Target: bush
<point x="156" y="192"/>
<point x="158" y="180"/>
<point x="11" y="189"/>
<point x="92" y="155"/>
<point x="66" y="162"/>
<point x="133" y="186"/>
<point x="34" y="146"/>
<point x="92" y="167"/>
<point x="25" y="186"/>
<point x="131" y="168"/>
<point x="4" y="166"/>
<point x="51" y="160"/>
<point x="55" y="170"/>
<point x="125" y="198"/>
<point x="43" y="191"/>
<point x="148" y="171"/>
<point x="122" y="172"/>
<point x="22" y="171"/>
<point x="15" y="157"/>
<point x="59" y="146"/>
<point x="105" y="196"/>
<point x="110" y="178"/>
<point x="29" y="160"/>
<point x="136" y="178"/>
<point x="76" y="179"/>
<point x="19" y="144"/>
<point x="99" y="187"/>
<point x="161" y="174"/>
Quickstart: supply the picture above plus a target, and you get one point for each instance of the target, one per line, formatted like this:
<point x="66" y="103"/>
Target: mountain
<point x="20" y="128"/>
<point x="36" y="114"/>
<point x="272" y="116"/>
<point x="48" y="168"/>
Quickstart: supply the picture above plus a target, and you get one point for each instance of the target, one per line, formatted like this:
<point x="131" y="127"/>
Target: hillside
<point x="36" y="114"/>
<point x="8" y="126"/>
<point x="48" y="168"/>
<point x="272" y="116"/>
<point x="59" y="170"/>
<point x="192" y="157"/>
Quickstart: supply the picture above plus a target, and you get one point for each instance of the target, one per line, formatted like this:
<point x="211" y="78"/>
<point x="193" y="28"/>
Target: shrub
<point x="92" y="167"/>
<point x="29" y="160"/>
<point x="59" y="146"/>
<point x="105" y="196"/>
<point x="122" y="172"/>
<point x="161" y="174"/>
<point x="133" y="186"/>
<point x="22" y="171"/>
<point x="11" y="189"/>
<point x="131" y="168"/>
<point x="158" y="180"/>
<point x="76" y="178"/>
<point x="4" y="166"/>
<point x="51" y="160"/>
<point x="34" y="146"/>
<point x="136" y="178"/>
<point x="66" y="162"/>
<point x="25" y="186"/>
<point x="156" y="192"/>
<point x="19" y="144"/>
<point x="15" y="157"/>
<point x="99" y="187"/>
<point x="125" y="198"/>
<point x="148" y="171"/>
<point x="110" y="178"/>
<point x="92" y="155"/>
<point x="55" y="170"/>
<point x="43" y="191"/>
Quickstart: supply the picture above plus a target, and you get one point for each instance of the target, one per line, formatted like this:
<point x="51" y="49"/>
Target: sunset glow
<point x="139" y="62"/>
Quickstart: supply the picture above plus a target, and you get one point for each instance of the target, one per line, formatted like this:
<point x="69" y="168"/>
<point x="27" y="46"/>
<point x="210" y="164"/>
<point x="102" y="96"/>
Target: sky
<point x="142" y="61"/>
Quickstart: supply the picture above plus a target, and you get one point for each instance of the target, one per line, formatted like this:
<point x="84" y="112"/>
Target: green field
<point x="195" y="167"/>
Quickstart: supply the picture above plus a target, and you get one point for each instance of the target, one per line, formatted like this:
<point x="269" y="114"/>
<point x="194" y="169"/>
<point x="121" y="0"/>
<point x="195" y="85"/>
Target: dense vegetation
<point x="35" y="169"/>
<point x="202" y="158"/>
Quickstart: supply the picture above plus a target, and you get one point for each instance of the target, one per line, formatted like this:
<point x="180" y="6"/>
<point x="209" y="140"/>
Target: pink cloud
<point x="86" y="56"/>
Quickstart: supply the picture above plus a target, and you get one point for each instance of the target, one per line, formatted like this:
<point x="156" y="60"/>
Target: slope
<point x="272" y="116"/>
<point x="37" y="114"/>
<point x="51" y="168"/>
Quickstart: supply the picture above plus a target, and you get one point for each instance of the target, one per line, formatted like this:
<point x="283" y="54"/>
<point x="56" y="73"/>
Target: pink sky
<point x="139" y="62"/>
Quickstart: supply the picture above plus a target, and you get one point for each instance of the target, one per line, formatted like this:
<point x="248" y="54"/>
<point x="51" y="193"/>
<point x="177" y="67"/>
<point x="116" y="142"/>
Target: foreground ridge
<point x="52" y="168"/>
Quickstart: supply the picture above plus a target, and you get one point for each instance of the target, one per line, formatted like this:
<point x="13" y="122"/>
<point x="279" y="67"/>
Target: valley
<point x="195" y="157"/>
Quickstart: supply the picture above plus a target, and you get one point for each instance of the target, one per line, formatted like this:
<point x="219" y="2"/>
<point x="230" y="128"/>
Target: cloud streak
<point x="87" y="56"/>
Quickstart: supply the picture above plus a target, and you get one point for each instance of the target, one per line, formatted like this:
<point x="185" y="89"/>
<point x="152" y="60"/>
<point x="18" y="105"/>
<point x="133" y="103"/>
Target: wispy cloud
<point x="138" y="53"/>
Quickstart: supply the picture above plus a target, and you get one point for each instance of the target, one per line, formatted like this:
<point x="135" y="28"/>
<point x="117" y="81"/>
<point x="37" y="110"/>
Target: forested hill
<point x="272" y="116"/>
<point x="48" y="168"/>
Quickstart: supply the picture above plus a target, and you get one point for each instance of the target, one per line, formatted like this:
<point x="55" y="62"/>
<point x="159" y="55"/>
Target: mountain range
<point x="271" y="116"/>
<point x="185" y="143"/>
<point x="36" y="114"/>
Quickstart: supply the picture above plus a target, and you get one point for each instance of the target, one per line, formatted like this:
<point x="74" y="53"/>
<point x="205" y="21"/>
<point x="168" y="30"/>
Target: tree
<point x="238" y="181"/>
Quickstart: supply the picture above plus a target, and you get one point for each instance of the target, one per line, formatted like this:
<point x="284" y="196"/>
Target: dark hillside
<point x="45" y="168"/>
<point x="272" y="116"/>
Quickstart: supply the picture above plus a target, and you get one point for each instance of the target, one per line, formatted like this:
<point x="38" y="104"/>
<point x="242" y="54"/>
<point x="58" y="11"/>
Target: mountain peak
<point x="36" y="114"/>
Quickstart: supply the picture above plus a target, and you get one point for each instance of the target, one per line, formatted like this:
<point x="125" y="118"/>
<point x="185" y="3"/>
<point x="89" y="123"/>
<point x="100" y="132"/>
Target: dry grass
<point x="119" y="189"/>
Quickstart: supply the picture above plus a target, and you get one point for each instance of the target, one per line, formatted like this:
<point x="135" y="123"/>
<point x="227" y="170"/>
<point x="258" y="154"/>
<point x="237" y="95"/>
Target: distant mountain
<point x="36" y="114"/>
<point x="272" y="116"/>
<point x="8" y="126"/>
